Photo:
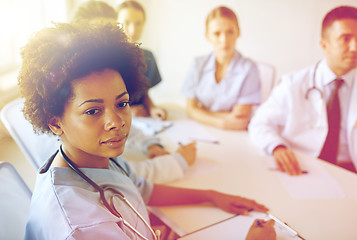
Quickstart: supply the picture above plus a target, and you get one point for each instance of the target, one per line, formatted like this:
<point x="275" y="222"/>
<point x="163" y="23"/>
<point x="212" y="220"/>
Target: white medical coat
<point x="288" y="118"/>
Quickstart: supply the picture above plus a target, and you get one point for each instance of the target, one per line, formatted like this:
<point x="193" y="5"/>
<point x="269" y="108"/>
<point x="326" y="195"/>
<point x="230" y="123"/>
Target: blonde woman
<point x="223" y="86"/>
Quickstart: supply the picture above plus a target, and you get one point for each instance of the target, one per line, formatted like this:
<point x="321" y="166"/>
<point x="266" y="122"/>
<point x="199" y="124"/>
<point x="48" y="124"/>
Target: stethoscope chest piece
<point x="109" y="205"/>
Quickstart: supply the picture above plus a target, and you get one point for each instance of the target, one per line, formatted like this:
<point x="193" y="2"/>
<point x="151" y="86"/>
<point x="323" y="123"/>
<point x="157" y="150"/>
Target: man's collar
<point x="328" y="75"/>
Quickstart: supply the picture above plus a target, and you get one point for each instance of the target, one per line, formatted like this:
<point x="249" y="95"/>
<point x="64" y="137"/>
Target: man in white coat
<point x="295" y="116"/>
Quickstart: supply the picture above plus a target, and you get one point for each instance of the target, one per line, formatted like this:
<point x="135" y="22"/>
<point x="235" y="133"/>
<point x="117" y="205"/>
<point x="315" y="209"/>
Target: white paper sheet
<point x="316" y="184"/>
<point x="186" y="131"/>
<point x="150" y="126"/>
<point x="237" y="228"/>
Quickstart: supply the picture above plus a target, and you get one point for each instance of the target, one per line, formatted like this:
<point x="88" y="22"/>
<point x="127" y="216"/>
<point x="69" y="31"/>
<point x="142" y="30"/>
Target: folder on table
<point x="237" y="227"/>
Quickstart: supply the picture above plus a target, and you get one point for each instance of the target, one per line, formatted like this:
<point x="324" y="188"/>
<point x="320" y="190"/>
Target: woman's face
<point x="133" y="21"/>
<point x="96" y="121"/>
<point x="222" y="33"/>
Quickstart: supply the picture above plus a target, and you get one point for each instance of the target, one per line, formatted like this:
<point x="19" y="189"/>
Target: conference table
<point x="237" y="166"/>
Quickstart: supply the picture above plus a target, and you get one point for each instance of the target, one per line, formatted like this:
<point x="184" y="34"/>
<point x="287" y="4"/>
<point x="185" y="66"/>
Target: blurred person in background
<point x="132" y="15"/>
<point x="223" y="86"/>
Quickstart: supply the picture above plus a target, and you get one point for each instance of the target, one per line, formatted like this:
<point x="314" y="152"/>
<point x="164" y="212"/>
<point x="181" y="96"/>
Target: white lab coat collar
<point x="324" y="75"/>
<point x="328" y="75"/>
<point x="352" y="117"/>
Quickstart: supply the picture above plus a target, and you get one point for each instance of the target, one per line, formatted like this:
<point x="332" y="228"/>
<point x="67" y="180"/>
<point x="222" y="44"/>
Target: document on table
<point x="186" y="131"/>
<point x="237" y="227"/>
<point x="316" y="184"/>
<point x="150" y="126"/>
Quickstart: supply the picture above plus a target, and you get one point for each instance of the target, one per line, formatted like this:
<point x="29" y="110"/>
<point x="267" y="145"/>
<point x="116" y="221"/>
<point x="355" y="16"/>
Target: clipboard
<point x="237" y="227"/>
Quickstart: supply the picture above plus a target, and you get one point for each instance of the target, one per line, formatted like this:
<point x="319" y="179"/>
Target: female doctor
<point x="78" y="81"/>
<point x="161" y="167"/>
<point x="223" y="86"/>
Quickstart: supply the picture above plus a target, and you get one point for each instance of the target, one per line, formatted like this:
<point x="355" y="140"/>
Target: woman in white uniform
<point x="77" y="81"/>
<point x="223" y="86"/>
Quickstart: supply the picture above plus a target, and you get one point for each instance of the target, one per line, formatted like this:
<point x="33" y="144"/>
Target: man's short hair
<point x="339" y="13"/>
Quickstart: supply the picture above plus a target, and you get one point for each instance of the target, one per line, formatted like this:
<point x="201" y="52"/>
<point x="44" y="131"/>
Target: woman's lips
<point x="115" y="140"/>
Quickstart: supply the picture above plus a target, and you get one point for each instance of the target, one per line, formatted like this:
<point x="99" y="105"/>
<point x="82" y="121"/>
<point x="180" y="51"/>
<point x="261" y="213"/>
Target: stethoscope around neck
<point x="110" y="205"/>
<point x="314" y="88"/>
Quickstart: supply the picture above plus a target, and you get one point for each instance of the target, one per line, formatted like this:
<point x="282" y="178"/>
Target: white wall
<point x="285" y="33"/>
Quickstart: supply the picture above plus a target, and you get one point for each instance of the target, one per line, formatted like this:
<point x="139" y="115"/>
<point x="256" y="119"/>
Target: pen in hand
<point x="302" y="171"/>
<point x="285" y="225"/>
<point x="205" y="140"/>
<point x="188" y="152"/>
<point x="259" y="223"/>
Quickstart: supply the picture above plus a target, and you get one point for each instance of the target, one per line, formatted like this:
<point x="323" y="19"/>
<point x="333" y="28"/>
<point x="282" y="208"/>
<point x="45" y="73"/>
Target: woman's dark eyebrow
<point x="91" y="100"/>
<point x="101" y="100"/>
<point x="122" y="94"/>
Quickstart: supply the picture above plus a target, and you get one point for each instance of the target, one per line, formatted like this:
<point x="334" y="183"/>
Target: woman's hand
<point x="233" y="122"/>
<point x="262" y="230"/>
<point x="235" y="204"/>
<point x="238" y="118"/>
<point x="188" y="152"/>
<point x="286" y="161"/>
<point x="158" y="113"/>
<point x="156" y="150"/>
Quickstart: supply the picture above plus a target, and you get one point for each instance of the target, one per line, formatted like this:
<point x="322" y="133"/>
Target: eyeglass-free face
<point x="222" y="33"/>
<point x="340" y="46"/>
<point x="96" y="120"/>
<point x="133" y="21"/>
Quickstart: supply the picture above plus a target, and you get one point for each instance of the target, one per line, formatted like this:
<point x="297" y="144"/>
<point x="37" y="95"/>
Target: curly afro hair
<point x="54" y="57"/>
